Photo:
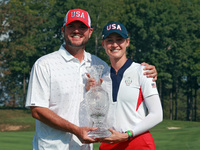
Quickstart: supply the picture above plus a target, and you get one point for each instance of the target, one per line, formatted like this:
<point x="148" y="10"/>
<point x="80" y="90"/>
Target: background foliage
<point x="165" y="33"/>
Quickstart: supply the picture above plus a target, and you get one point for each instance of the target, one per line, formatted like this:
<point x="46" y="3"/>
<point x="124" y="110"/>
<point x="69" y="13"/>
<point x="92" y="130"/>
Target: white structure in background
<point x="4" y="36"/>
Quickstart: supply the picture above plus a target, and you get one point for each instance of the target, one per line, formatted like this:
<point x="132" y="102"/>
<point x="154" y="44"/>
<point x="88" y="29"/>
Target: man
<point x="57" y="86"/>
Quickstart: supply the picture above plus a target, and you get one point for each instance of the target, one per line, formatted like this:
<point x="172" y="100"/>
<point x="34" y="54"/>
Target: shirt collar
<point x="123" y="68"/>
<point x="67" y="56"/>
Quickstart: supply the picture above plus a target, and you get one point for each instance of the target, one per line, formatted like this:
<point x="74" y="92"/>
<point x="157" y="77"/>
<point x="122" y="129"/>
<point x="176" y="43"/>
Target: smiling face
<point x="115" y="46"/>
<point x="76" y="35"/>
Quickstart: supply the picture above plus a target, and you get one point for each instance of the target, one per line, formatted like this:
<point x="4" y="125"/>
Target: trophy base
<point x="99" y="133"/>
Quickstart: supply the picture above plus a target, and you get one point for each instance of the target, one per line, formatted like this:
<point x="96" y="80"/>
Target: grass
<point x="16" y="140"/>
<point x="16" y="117"/>
<point x="185" y="137"/>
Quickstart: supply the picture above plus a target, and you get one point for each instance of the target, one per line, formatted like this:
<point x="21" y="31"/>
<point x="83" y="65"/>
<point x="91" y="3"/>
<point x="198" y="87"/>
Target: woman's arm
<point x="154" y="116"/>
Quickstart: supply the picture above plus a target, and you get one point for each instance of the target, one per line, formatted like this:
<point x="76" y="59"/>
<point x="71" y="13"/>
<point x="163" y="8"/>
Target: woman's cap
<point x="114" y="27"/>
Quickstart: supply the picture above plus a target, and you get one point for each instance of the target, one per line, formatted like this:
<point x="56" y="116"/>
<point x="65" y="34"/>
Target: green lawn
<point x="16" y="117"/>
<point x="16" y="140"/>
<point x="186" y="137"/>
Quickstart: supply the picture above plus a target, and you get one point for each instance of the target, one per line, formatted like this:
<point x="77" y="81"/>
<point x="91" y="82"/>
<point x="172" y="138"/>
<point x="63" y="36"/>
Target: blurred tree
<point x="162" y="33"/>
<point x="20" y="23"/>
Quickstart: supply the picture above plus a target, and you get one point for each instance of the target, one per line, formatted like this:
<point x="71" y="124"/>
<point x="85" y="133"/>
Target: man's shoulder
<point x="45" y="60"/>
<point x="48" y="57"/>
<point x="94" y="57"/>
<point x="95" y="60"/>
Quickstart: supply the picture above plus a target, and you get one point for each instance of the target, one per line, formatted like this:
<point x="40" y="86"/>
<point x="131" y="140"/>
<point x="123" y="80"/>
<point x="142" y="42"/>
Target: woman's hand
<point x="116" y="137"/>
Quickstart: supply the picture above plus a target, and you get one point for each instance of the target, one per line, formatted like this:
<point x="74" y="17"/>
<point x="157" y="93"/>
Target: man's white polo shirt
<point x="57" y="82"/>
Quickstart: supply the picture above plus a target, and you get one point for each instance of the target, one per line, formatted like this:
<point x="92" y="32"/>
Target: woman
<point x="135" y="106"/>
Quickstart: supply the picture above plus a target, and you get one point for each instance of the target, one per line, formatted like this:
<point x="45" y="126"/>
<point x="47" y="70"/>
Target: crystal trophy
<point x="97" y="101"/>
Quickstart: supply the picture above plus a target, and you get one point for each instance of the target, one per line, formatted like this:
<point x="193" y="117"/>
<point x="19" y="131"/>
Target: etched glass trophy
<point x="97" y="101"/>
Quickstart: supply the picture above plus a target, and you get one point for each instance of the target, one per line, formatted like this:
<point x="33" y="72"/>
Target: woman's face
<point x="115" y="46"/>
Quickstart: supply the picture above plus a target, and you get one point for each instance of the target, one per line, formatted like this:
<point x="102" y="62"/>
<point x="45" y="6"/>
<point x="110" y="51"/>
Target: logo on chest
<point x="128" y="81"/>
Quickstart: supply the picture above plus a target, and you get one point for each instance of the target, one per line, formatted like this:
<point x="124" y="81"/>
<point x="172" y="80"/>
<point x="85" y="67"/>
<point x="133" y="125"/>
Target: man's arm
<point x="48" y="117"/>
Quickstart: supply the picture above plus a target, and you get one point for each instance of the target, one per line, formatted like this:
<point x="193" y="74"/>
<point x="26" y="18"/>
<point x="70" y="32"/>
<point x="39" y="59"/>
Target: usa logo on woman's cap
<point x="114" y="27"/>
<point x="77" y="15"/>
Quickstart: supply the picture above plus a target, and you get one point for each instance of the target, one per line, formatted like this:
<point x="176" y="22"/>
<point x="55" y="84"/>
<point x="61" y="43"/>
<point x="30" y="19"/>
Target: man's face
<point x="76" y="34"/>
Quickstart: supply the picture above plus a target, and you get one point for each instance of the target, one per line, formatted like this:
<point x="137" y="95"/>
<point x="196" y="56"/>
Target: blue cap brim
<point x="125" y="36"/>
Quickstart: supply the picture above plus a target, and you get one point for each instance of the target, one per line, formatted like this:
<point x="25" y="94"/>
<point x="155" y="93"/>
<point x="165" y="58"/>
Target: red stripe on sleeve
<point x="140" y="99"/>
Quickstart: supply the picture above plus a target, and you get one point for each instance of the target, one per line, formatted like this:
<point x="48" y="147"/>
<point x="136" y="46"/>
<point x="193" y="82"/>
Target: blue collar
<point x="117" y="77"/>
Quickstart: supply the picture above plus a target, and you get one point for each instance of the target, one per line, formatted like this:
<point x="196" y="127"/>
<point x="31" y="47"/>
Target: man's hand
<point x="82" y="134"/>
<point x="48" y="117"/>
<point x="151" y="71"/>
<point x="91" y="82"/>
